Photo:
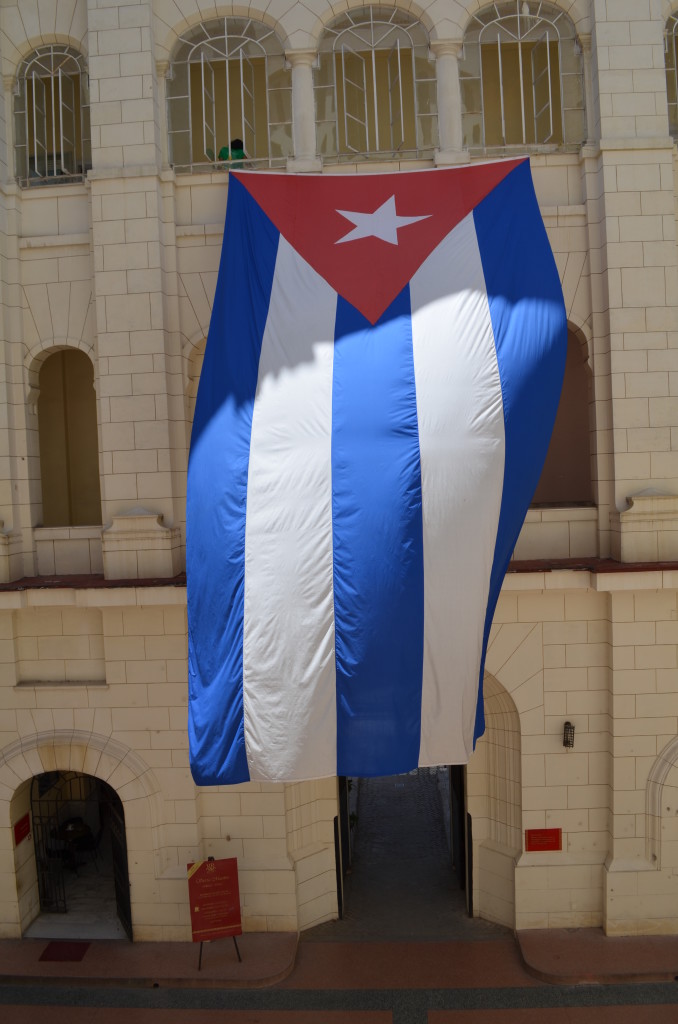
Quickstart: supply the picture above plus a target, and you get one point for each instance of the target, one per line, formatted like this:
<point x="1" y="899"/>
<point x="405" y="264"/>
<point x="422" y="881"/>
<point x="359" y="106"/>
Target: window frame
<point x="233" y="42"/>
<point x="374" y="30"/>
<point x="671" y="64"/>
<point x="61" y="65"/>
<point x="523" y="22"/>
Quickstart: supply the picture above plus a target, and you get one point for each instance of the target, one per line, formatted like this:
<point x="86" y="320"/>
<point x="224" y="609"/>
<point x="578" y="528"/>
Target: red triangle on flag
<point x="399" y="219"/>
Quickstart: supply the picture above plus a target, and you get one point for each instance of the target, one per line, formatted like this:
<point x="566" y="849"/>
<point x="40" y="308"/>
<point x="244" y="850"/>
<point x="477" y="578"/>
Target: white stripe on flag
<point x="289" y="678"/>
<point x="461" y="439"/>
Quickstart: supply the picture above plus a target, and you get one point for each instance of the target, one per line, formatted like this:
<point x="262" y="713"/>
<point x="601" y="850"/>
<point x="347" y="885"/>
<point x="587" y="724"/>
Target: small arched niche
<point x="566" y="476"/>
<point x="69" y="448"/>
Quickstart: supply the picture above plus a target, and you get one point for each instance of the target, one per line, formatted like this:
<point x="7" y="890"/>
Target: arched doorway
<point x="399" y="875"/>
<point x="401" y="845"/>
<point x="494" y="795"/>
<point x="434" y="851"/>
<point x="81" y="865"/>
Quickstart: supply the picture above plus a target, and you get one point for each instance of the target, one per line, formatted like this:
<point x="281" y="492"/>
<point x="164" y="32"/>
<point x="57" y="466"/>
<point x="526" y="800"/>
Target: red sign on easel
<point x="215" y="899"/>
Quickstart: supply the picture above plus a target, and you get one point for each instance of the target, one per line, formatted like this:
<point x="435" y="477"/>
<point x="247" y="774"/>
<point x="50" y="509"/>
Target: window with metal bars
<point x="229" y="97"/>
<point x="671" y="59"/>
<point x="522" y="78"/>
<point x="51" y="118"/>
<point x="375" y="87"/>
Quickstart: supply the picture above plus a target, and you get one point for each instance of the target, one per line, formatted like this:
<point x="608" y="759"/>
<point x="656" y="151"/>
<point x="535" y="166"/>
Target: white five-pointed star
<point x="383" y="223"/>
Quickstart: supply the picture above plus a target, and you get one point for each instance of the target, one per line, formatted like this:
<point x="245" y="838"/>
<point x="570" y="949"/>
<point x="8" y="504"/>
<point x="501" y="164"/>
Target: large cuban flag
<point x="381" y="377"/>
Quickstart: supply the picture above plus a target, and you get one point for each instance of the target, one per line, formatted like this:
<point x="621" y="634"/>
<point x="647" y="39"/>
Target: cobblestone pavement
<point x="402" y="886"/>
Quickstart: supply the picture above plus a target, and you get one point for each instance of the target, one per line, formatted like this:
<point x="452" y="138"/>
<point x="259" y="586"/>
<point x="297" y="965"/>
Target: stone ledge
<point x="55" y="241"/>
<point x="68" y="550"/>
<point x="60" y="684"/>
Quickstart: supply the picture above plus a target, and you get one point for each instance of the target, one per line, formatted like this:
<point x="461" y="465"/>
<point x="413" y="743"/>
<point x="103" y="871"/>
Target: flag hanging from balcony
<point x="380" y="381"/>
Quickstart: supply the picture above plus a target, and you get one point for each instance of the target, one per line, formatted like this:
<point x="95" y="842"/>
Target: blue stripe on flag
<point x="217" y="492"/>
<point x="530" y="330"/>
<point x="378" y="545"/>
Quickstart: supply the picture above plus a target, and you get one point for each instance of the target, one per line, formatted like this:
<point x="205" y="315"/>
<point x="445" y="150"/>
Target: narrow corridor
<point x="402" y="885"/>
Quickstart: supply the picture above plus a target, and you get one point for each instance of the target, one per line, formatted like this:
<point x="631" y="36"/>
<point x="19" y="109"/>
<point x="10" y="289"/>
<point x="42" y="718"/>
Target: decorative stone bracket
<point x="647" y="531"/>
<point x="137" y="546"/>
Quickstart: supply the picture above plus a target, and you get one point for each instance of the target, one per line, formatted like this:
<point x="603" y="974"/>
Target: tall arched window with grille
<point x="51" y="117"/>
<point x="375" y="87"/>
<point x="229" y="97"/>
<point x="671" y="58"/>
<point x="522" y="78"/>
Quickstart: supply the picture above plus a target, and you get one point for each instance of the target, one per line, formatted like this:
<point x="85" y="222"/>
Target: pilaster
<point x="643" y="717"/>
<point x="124" y="115"/>
<point x="631" y="211"/>
<point x="134" y="343"/>
<point x="134" y="271"/>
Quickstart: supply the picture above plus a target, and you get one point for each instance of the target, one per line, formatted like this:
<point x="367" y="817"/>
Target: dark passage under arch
<point x="79" y="837"/>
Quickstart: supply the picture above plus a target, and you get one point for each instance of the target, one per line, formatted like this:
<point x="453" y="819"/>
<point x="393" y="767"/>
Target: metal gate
<point x="69" y="813"/>
<point x="120" y="865"/>
<point x="65" y="815"/>
<point x="48" y="860"/>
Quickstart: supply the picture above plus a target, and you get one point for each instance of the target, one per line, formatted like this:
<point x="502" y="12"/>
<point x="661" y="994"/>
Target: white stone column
<point x="303" y="111"/>
<point x="450" y="146"/>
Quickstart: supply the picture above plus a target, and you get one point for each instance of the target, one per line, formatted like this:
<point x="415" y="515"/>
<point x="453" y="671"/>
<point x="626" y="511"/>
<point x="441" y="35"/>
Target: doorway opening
<point x="402" y="850"/>
<point x="80" y="847"/>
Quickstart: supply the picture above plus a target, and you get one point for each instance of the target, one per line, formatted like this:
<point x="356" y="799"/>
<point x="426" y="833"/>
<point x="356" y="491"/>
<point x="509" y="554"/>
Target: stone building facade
<point x="118" y="124"/>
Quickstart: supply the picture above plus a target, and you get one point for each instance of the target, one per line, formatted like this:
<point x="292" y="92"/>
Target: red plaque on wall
<point x="215" y="899"/>
<point x="22" y="828"/>
<point x="540" y="839"/>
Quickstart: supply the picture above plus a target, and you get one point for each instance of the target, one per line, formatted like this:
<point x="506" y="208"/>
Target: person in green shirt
<point x="236" y="151"/>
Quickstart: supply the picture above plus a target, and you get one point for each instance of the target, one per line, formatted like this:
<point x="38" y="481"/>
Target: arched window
<point x="566" y="476"/>
<point x="51" y="117"/>
<point x="375" y="86"/>
<point x="69" y="450"/>
<point x="229" y="97"/>
<point x="521" y="76"/>
<point x="671" y="58"/>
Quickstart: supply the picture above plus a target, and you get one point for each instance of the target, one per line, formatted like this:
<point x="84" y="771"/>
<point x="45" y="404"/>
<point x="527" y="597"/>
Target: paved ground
<point x="405" y="954"/>
<point x="463" y="982"/>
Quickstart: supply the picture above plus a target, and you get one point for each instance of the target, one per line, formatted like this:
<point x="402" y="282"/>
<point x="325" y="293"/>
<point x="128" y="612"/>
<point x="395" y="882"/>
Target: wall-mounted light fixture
<point x="568" y="735"/>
